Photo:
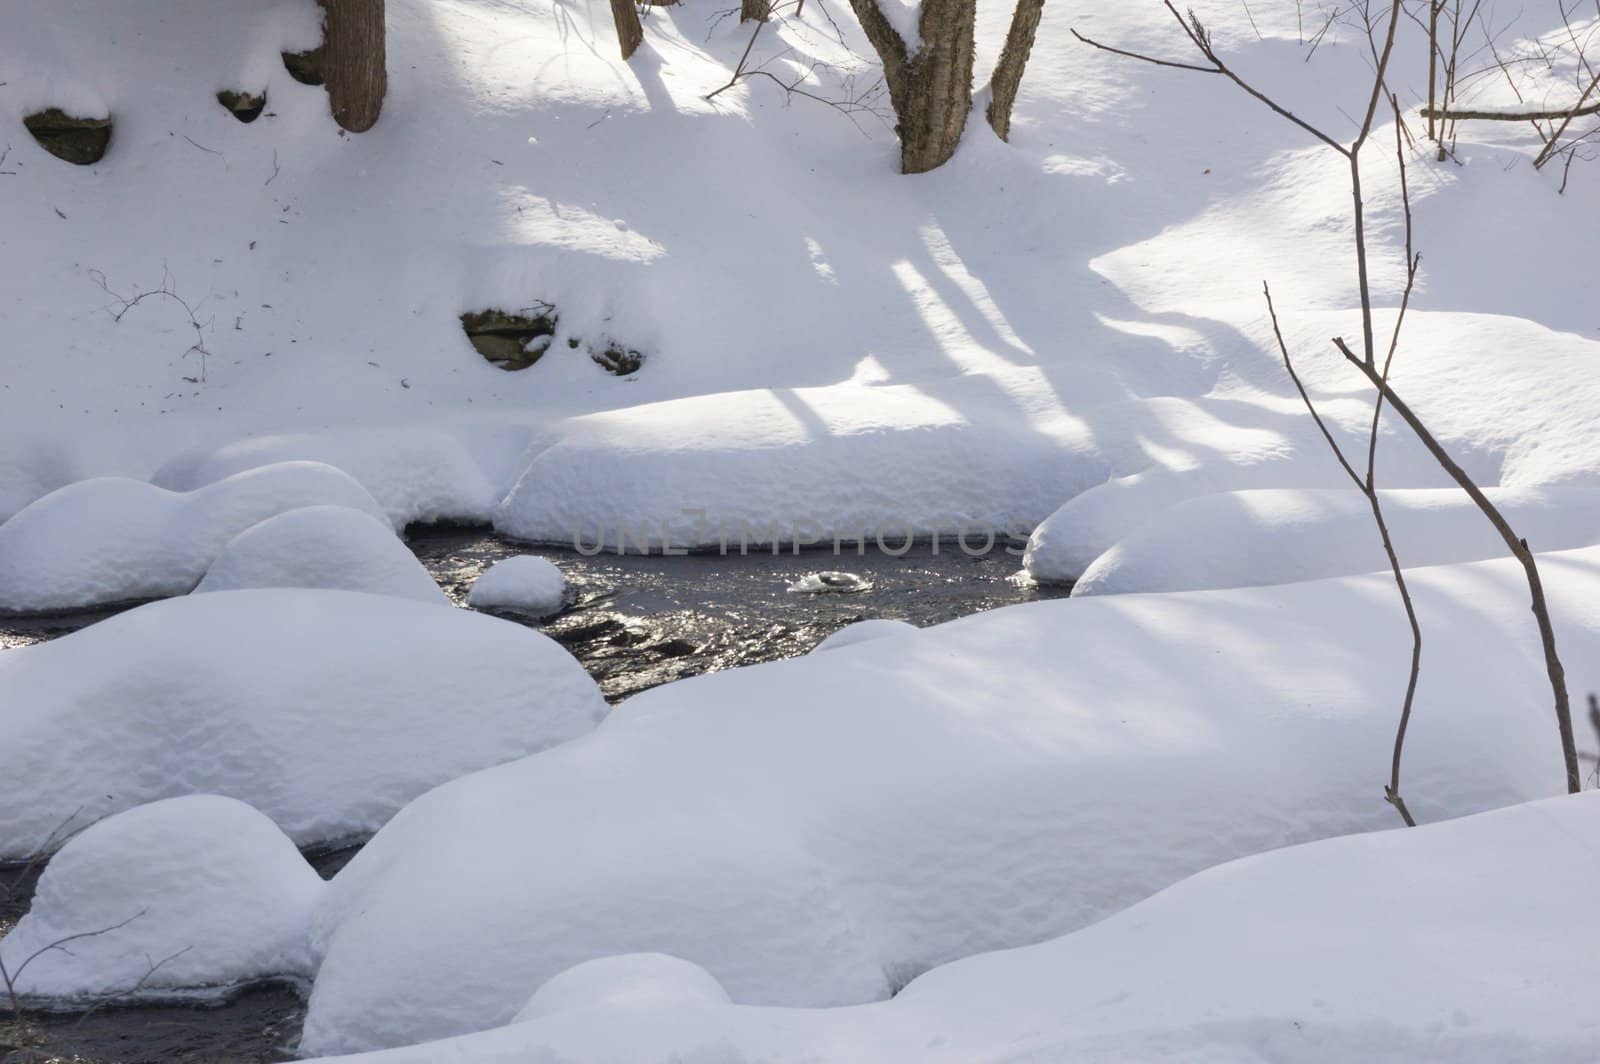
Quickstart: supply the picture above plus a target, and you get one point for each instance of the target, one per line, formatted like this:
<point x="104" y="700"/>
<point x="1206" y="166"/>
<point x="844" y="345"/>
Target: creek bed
<point x="635" y="622"/>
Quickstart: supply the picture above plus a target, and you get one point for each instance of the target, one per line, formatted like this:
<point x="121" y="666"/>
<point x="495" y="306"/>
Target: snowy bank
<point x="864" y="631"/>
<point x="821" y="830"/>
<point x="630" y="981"/>
<point x="1455" y="943"/>
<point x="326" y="710"/>
<point x="114" y="539"/>
<point x="190" y="892"/>
<point x="332" y="547"/>
<point x="1254" y="538"/>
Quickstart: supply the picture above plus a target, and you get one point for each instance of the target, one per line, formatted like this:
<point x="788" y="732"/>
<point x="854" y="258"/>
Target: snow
<point x="1253" y="538"/>
<point x="189" y="892"/>
<point x="864" y="631"/>
<point x="906" y="18"/>
<point x="322" y="547"/>
<point x="114" y="539"/>
<point x="326" y="710"/>
<point x="1450" y="944"/>
<point x="629" y="982"/>
<point x="819" y="831"/>
<point x="523" y="584"/>
<point x="830" y="582"/>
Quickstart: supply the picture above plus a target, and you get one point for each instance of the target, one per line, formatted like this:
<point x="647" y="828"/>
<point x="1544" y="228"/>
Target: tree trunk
<point x="755" y="10"/>
<point x="932" y="90"/>
<point x="355" y="62"/>
<point x="629" y="33"/>
<point x="1013" y="58"/>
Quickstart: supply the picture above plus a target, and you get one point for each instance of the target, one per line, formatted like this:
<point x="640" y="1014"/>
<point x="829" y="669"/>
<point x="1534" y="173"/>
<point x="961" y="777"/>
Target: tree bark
<point x="1013" y="58"/>
<point x="755" y="10"/>
<point x="932" y="90"/>
<point x="629" y="33"/>
<point x="355" y="62"/>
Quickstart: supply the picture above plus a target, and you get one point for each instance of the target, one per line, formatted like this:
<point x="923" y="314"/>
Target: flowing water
<point x="634" y="622"/>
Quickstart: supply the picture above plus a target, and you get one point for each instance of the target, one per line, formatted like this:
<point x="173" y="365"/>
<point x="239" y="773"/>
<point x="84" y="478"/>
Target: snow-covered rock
<point x="820" y="830"/>
<point x="416" y="473"/>
<point x="523" y="584"/>
<point x="626" y="982"/>
<point x="862" y="631"/>
<point x="332" y="547"/>
<point x="1274" y="536"/>
<point x="114" y="539"/>
<point x="1450" y="944"/>
<point x="326" y="710"/>
<point x="189" y="892"/>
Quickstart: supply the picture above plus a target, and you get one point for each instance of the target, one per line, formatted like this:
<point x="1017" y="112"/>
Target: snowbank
<point x="1252" y="538"/>
<point x="326" y="710"/>
<point x="199" y="891"/>
<point x="523" y="584"/>
<point x="1449" y="944"/>
<point x="819" y="831"/>
<point x="114" y="539"/>
<point x="631" y="981"/>
<point x="331" y="547"/>
<point x="863" y="631"/>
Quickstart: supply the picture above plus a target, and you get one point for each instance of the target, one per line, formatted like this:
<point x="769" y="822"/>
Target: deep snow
<point x="325" y="710"/>
<point x="1457" y="943"/>
<point x="524" y="584"/>
<point x="818" y="831"/>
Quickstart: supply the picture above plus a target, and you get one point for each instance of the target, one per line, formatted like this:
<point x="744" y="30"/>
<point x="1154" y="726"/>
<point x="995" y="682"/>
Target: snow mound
<point x="415" y="473"/>
<point x="821" y="830"/>
<point x="1448" y="944"/>
<point x="631" y="981"/>
<point x="863" y="631"/>
<point x="326" y="710"/>
<point x="322" y="547"/>
<point x="524" y="584"/>
<point x="1252" y="538"/>
<point x="114" y="539"/>
<point x="198" y="891"/>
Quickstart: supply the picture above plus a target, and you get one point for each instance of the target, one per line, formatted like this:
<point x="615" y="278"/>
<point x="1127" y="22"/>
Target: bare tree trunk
<point x="1013" y="58"/>
<point x="1433" y="64"/>
<point x="629" y="33"/>
<point x="355" y="62"/>
<point x="932" y="90"/>
<point x="755" y="10"/>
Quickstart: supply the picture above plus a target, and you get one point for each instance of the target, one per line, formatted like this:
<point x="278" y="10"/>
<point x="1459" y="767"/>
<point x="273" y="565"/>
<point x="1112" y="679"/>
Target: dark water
<point x="634" y="622"/>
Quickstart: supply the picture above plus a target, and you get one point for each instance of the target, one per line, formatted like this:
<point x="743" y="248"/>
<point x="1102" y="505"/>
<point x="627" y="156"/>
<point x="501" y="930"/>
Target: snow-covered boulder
<point x="1453" y="943"/>
<point x="198" y="891"/>
<point x="629" y="981"/>
<point x="821" y="830"/>
<point x="1275" y="536"/>
<point x="326" y="710"/>
<point x="332" y="547"/>
<point x="416" y="473"/>
<point x="115" y="539"/>
<point x="862" y="631"/>
<point x="523" y="584"/>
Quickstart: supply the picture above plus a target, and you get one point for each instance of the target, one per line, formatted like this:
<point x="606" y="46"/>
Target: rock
<point x="830" y="583"/>
<point x="245" y="106"/>
<point x="619" y="360"/>
<point x="77" y="140"/>
<point x="305" y="67"/>
<point x="511" y="341"/>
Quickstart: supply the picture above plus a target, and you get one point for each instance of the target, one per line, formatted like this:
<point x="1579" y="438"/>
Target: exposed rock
<point x="77" y="140"/>
<point x="305" y="67"/>
<point x="614" y="358"/>
<point x="245" y="106"/>
<point x="511" y="341"/>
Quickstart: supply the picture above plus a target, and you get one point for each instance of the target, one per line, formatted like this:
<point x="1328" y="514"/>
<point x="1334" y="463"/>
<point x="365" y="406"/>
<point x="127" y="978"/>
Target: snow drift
<point x="1450" y="944"/>
<point x="524" y="584"/>
<point x="325" y="710"/>
<point x="820" y="830"/>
